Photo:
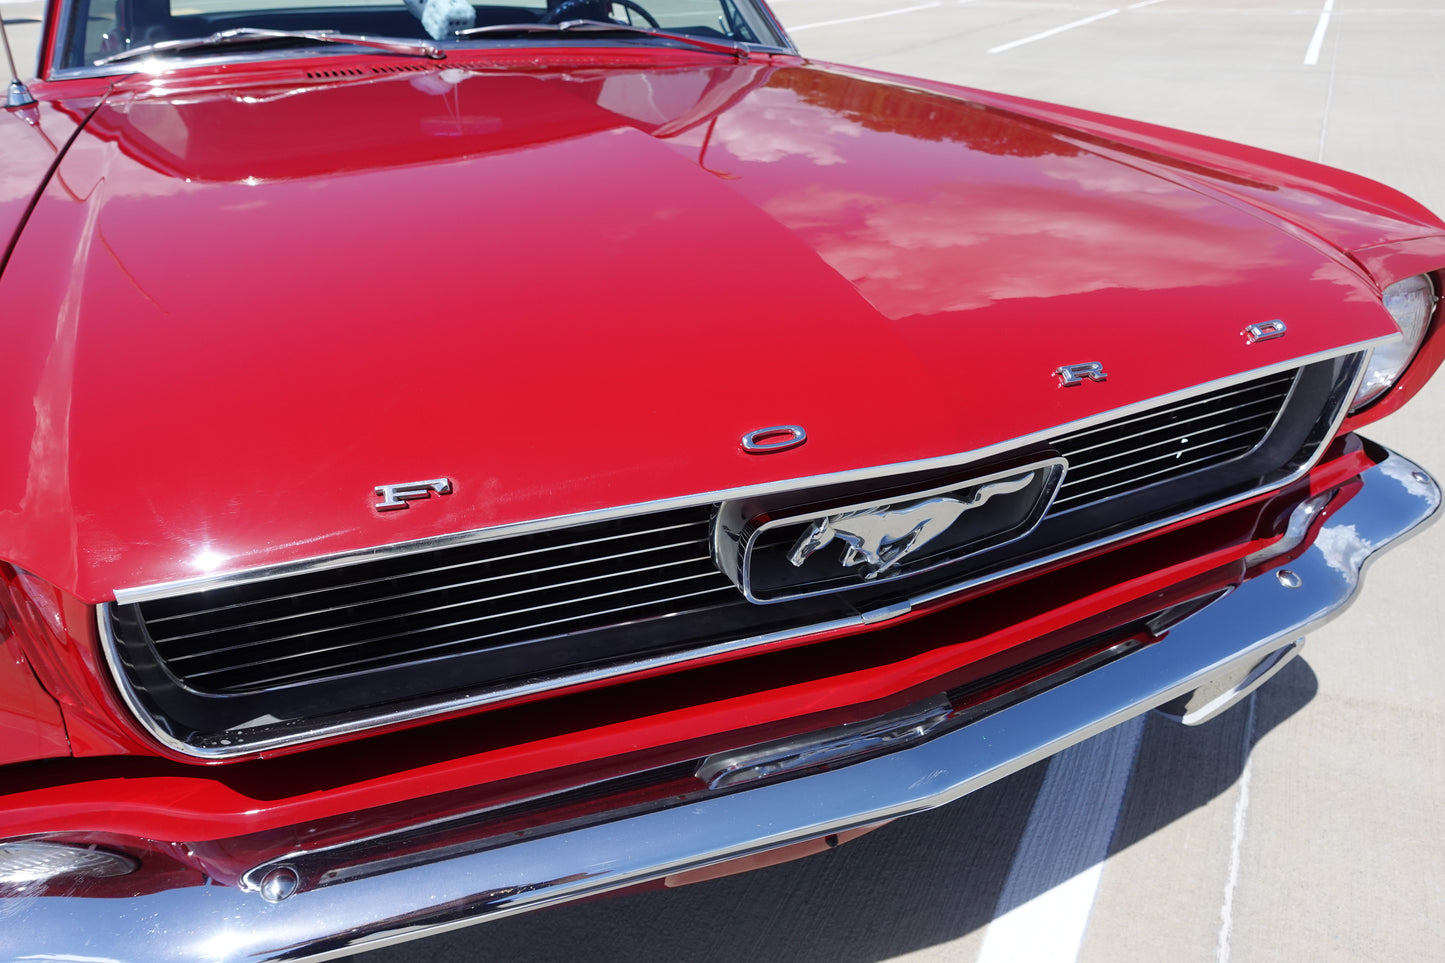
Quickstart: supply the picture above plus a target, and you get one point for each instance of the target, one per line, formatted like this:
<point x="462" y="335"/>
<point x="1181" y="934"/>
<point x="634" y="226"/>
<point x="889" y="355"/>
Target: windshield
<point x="103" y="31"/>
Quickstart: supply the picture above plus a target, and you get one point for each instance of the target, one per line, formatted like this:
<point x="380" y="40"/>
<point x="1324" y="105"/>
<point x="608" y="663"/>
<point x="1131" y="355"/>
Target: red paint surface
<point x="572" y="289"/>
<point x="30" y="722"/>
<point x="569" y="281"/>
<point x="641" y="725"/>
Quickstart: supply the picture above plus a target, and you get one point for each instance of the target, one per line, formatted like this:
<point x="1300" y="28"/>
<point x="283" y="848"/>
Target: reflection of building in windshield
<point x="426" y="116"/>
<point x="920" y="114"/>
<point x="683" y="100"/>
<point x="237" y="135"/>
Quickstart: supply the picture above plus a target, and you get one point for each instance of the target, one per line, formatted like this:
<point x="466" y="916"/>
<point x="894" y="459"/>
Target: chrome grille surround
<point x="243" y="740"/>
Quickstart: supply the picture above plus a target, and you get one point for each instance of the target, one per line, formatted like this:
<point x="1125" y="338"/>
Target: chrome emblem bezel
<point x="881" y="538"/>
<point x="738" y="529"/>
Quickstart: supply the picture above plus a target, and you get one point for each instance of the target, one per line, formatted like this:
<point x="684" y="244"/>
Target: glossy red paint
<point x="56" y="634"/>
<point x="34" y="138"/>
<point x="1357" y="212"/>
<point x="30" y="723"/>
<point x="568" y="280"/>
<point x="643" y="724"/>
<point x="922" y="246"/>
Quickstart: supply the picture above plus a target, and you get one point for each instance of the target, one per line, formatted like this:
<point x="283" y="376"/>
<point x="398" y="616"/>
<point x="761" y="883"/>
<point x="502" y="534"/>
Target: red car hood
<point x="232" y="315"/>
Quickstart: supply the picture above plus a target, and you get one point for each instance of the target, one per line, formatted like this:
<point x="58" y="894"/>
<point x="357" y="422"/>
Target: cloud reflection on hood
<point x="920" y="256"/>
<point x="994" y="208"/>
<point x="794" y="128"/>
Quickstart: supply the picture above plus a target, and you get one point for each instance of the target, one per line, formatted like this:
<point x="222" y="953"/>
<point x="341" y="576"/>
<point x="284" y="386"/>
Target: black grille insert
<point x="484" y="596"/>
<point x="277" y="659"/>
<point x="1164" y="443"/>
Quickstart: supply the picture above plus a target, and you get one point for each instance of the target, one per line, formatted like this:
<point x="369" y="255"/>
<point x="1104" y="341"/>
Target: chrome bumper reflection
<point x="1218" y="650"/>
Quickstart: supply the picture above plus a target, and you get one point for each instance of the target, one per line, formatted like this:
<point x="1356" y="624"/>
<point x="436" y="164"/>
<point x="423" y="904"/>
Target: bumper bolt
<point x="279" y="884"/>
<point x="1289" y="579"/>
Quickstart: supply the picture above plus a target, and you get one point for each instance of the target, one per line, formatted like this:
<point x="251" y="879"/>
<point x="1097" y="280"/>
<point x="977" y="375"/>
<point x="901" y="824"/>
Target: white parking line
<point x="1312" y="55"/>
<point x="1057" y="30"/>
<point x="1061" y="854"/>
<point x="1241" y="807"/>
<point x="866" y="16"/>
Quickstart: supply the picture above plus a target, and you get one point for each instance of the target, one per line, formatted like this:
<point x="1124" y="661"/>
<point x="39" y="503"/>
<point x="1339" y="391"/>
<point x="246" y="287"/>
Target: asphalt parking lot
<point x="1303" y="824"/>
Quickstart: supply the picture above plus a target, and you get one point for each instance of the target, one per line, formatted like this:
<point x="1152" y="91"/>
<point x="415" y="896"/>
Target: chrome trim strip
<point x="431" y="708"/>
<point x="832" y="747"/>
<point x="464" y="885"/>
<point x="160" y="590"/>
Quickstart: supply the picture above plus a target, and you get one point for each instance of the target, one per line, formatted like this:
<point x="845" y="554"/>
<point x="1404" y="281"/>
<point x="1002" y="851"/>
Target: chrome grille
<point x="1168" y="442"/>
<point x="270" y="659"/>
<point x="492" y="595"/>
<point x="416" y="607"/>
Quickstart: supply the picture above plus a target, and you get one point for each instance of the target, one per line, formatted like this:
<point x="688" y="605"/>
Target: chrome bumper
<point x="1223" y="650"/>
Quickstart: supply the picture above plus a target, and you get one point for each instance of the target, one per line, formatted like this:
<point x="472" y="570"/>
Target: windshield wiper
<point x="249" y="35"/>
<point x="602" y="26"/>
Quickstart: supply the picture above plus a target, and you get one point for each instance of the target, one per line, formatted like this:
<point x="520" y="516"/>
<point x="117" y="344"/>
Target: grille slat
<point x="1101" y="468"/>
<point x="1151" y="477"/>
<point x="1273" y="386"/>
<point x="421" y="615"/>
<point x="1261" y="408"/>
<point x="1119" y="458"/>
<point x="499" y="583"/>
<point x="418" y="620"/>
<point x="435" y="570"/>
<point x="1118" y="455"/>
<point x="436" y="648"/>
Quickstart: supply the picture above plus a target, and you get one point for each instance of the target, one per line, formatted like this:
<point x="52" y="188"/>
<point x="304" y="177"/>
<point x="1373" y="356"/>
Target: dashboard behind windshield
<point x="97" y="29"/>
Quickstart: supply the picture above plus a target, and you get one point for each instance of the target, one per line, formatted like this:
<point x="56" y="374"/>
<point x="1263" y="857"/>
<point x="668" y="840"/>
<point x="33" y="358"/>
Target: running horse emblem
<point x="882" y="538"/>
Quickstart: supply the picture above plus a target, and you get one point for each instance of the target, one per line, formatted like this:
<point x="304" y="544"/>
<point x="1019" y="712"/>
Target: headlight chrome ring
<point x="1411" y="303"/>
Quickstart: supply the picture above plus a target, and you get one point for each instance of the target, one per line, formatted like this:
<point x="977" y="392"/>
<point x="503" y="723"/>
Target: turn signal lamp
<point x="29" y="861"/>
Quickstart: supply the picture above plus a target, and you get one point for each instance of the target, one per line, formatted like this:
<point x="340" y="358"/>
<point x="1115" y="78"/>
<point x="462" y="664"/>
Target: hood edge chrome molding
<point x="160" y="590"/>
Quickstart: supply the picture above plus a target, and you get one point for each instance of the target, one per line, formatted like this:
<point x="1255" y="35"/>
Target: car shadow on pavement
<point x="919" y="882"/>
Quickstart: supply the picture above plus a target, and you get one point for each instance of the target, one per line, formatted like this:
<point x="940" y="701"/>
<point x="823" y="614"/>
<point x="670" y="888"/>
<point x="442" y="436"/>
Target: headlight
<point x="1410" y="302"/>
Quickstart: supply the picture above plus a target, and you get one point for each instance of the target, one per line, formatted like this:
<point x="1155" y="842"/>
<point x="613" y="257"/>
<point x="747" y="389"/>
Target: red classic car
<point x="463" y="458"/>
